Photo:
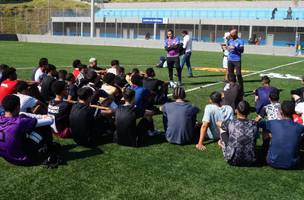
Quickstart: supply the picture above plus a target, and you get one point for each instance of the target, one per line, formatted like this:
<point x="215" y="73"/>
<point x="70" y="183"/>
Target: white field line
<point x="211" y="84"/>
<point x="247" y="75"/>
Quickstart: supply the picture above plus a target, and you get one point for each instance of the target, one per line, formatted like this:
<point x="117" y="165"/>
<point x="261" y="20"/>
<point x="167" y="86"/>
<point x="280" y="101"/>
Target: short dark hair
<point x="58" y="87"/>
<point x="288" y="108"/>
<point x="150" y="72"/>
<point x="43" y="62"/>
<point x="10" y="103"/>
<point x="91" y="76"/>
<point x="84" y="93"/>
<point x="62" y="74"/>
<point x="216" y="97"/>
<point x="244" y="108"/>
<point x="135" y="70"/>
<point x="109" y="78"/>
<point x="10" y="73"/>
<point x="274" y="95"/>
<point x="120" y="70"/>
<point x="231" y="78"/>
<point x="185" y="32"/>
<point x="179" y="93"/>
<point x="128" y="94"/>
<point x="76" y="63"/>
<point x="50" y="68"/>
<point x="170" y="30"/>
<point x="21" y="86"/>
<point x="3" y="67"/>
<point x="265" y="79"/>
<point x="70" y="76"/>
<point x="136" y="79"/>
<point x="81" y="66"/>
<point x="115" y="62"/>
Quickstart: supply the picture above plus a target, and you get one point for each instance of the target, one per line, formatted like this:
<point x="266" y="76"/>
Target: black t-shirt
<point x="299" y="92"/>
<point x="233" y="96"/>
<point x="46" y="88"/>
<point x="125" y="121"/>
<point x="61" y="111"/>
<point x="120" y="81"/>
<point x="73" y="92"/>
<point x="82" y="124"/>
<point x="153" y="84"/>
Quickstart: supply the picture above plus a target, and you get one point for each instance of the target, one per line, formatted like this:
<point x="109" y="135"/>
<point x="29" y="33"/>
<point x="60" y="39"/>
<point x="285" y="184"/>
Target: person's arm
<point x="42" y="120"/>
<point x="185" y="42"/>
<point x="241" y="47"/>
<point x="200" y="145"/>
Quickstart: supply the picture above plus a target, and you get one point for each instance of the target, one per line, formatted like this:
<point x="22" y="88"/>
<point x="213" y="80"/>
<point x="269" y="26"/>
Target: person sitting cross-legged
<point x="127" y="132"/>
<point x="262" y="94"/>
<point x="179" y="118"/>
<point x="238" y="137"/>
<point x="28" y="103"/>
<point x="214" y="112"/>
<point x="86" y="122"/>
<point x="24" y="138"/>
<point x="285" y="139"/>
<point x="60" y="110"/>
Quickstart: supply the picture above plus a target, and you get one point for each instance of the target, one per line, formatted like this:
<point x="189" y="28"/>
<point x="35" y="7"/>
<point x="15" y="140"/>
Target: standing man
<point x="187" y="47"/>
<point x="235" y="46"/>
<point x="172" y="46"/>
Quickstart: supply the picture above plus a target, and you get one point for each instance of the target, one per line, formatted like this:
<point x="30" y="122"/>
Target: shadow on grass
<point x="208" y="75"/>
<point x="72" y="155"/>
<point x="201" y="83"/>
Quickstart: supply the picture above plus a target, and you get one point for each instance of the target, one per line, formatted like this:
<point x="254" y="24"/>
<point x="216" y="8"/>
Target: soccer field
<point x="159" y="171"/>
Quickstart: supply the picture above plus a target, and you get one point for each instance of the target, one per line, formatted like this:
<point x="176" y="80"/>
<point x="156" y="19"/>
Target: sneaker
<point x="172" y="84"/>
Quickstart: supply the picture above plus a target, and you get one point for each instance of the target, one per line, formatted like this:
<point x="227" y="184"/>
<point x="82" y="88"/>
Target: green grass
<point x="161" y="171"/>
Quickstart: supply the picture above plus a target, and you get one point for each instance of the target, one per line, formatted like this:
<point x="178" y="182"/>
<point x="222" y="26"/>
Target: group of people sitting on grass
<point x="93" y="104"/>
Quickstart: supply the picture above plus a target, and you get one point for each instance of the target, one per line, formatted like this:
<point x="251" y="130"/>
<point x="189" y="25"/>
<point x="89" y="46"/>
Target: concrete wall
<point x="197" y="46"/>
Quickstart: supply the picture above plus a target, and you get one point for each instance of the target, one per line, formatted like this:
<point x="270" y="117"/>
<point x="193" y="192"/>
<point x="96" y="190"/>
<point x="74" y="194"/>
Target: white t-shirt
<point x="187" y="43"/>
<point x="112" y="70"/>
<point x="38" y="74"/>
<point x="26" y="102"/>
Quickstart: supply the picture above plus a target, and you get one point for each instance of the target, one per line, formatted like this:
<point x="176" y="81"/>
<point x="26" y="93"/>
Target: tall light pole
<point x="92" y="18"/>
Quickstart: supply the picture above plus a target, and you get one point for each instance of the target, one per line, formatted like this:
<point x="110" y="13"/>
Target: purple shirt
<point x="13" y="132"/>
<point x="263" y="94"/>
<point x="172" y="42"/>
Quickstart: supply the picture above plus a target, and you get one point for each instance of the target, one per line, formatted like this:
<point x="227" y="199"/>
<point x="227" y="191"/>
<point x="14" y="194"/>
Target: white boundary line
<point x="251" y="74"/>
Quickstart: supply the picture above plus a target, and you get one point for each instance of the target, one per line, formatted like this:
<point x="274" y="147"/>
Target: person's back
<point x="286" y="136"/>
<point x="232" y="92"/>
<point x="238" y="137"/>
<point x="181" y="119"/>
<point x="15" y="130"/>
<point x="141" y="94"/>
<point x="240" y="149"/>
<point x="46" y="88"/>
<point x="285" y="143"/>
<point x="82" y="123"/>
<point x="262" y="94"/>
<point x="125" y="120"/>
<point x="8" y="86"/>
<point x="213" y="114"/>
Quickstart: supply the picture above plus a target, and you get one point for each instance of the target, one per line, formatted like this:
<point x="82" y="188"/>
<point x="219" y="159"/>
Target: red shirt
<point x="7" y="87"/>
<point x="76" y="72"/>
